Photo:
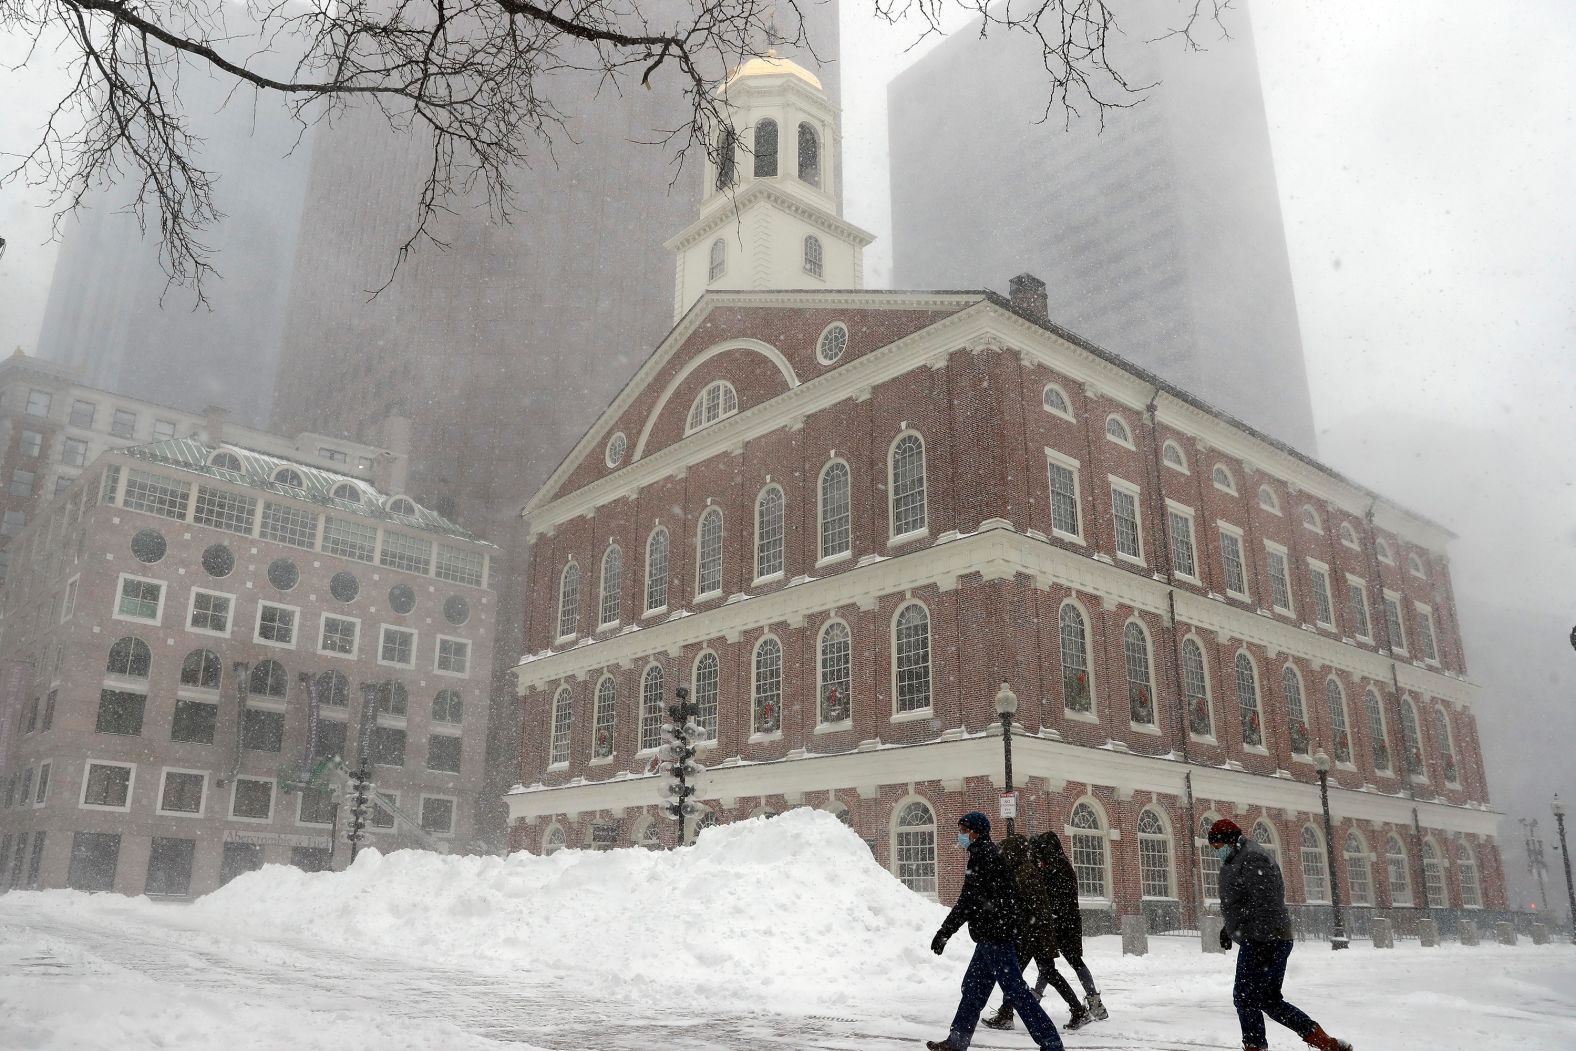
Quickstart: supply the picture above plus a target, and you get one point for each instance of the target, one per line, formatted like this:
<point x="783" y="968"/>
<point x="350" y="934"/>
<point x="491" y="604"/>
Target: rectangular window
<point x="111" y="484"/>
<point x="140" y="599"/>
<point x="1357" y="606"/>
<point x="170" y="867"/>
<point x="1182" y="560"/>
<point x="94" y="858"/>
<point x="223" y="509"/>
<point x="330" y="739"/>
<point x="1280" y="583"/>
<point x="107" y="785"/>
<point x="398" y="647"/>
<point x="30" y="720"/>
<point x="1231" y="562"/>
<point x="62" y="483"/>
<point x="210" y="612"/>
<point x="182" y="792"/>
<point x="21" y="483"/>
<point x="163" y="430"/>
<point x="349" y="539"/>
<point x="332" y="455"/>
<point x="253" y="800"/>
<point x="1319" y="581"/>
<point x="238" y="859"/>
<point x="1425" y="633"/>
<point x="1392" y="621"/>
<point x="462" y="567"/>
<point x="42" y="791"/>
<point x="318" y="807"/>
<point x="454" y="656"/>
<point x="194" y="722"/>
<point x="443" y="753"/>
<point x="276" y="624"/>
<point x="49" y="711"/>
<point x="156" y="495"/>
<point x="32" y="443"/>
<point x="339" y="635"/>
<point x="123" y="424"/>
<point x="437" y="815"/>
<point x="74" y="452"/>
<point x="120" y="712"/>
<point x="82" y="413"/>
<point x="263" y="730"/>
<point x="1124" y="512"/>
<point x="388" y="746"/>
<point x="383" y="809"/>
<point x="1064" y="499"/>
<point x="405" y="552"/>
<point x="286" y="524"/>
<point x="39" y="402"/>
<point x="12" y="523"/>
<point x="26" y="795"/>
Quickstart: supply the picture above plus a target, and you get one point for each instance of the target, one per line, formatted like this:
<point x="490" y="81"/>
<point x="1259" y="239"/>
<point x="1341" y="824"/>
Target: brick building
<point x="191" y="627"/>
<point x="844" y="518"/>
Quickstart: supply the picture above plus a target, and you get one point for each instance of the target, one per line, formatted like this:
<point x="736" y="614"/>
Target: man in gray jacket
<point x="1253" y="906"/>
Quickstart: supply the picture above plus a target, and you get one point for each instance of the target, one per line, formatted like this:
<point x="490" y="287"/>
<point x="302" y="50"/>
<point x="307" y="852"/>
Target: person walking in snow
<point x="1253" y="908"/>
<point x="1037" y="940"/>
<point x="1061" y="886"/>
<point x="988" y="904"/>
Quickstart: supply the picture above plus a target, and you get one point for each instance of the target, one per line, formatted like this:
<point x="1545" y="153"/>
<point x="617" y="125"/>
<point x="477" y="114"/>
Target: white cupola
<point x="770" y="217"/>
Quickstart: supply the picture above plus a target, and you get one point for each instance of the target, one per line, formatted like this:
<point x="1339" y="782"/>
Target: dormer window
<point x="289" y="478"/>
<point x="225" y="461"/>
<point x="766" y="149"/>
<point x="718" y="401"/>
<point x="813" y="256"/>
<point x="809" y="155"/>
<point x="402" y="506"/>
<point x="719" y="259"/>
<point x="347" y="492"/>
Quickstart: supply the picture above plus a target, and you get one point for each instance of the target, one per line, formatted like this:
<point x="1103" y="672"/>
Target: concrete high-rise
<point x="1159" y="236"/>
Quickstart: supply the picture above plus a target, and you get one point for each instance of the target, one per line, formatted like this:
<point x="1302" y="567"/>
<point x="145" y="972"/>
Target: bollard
<point x="1505" y="933"/>
<point x="1383" y="934"/>
<point x="1209" y="934"/>
<point x="1540" y="934"/>
<point x="1135" y="936"/>
<point x="1467" y="932"/>
<point x="1428" y="933"/>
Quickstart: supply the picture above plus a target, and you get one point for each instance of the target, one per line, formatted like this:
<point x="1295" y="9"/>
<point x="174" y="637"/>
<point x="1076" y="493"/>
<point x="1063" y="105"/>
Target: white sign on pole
<point x="1009" y="805"/>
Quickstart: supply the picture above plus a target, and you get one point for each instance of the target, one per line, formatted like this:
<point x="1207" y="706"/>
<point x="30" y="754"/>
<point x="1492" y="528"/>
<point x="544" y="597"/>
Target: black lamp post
<point x="1338" y="939"/>
<point x="1007" y="707"/>
<point x="1565" y="858"/>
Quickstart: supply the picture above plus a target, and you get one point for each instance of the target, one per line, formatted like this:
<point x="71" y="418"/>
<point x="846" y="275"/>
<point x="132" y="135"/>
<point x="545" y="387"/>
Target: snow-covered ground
<point x="765" y="935"/>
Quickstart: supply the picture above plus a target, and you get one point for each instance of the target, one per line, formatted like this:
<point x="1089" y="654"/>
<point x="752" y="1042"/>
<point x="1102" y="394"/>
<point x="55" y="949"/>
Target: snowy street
<point x="633" y="949"/>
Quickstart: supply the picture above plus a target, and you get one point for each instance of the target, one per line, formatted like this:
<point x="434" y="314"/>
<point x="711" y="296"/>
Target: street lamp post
<point x="1338" y="939"/>
<point x="1565" y="858"/>
<point x="1007" y="707"/>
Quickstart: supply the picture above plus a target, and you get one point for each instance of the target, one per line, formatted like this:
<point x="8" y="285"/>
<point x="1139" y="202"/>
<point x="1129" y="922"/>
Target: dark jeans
<point x="1261" y="967"/>
<point x="1050" y="976"/>
<point x="993" y="964"/>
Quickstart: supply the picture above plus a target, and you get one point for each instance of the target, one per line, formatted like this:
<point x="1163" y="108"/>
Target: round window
<point x="456" y="610"/>
<point x="148" y="546"/>
<point x="344" y="586"/>
<point x="402" y="599"/>
<point x="218" y="560"/>
<point x="833" y="342"/>
<point x="615" y="449"/>
<point x="282" y="574"/>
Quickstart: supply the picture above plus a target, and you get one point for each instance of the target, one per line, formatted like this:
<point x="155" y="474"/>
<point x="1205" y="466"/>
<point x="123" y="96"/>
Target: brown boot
<point x="1002" y="1019"/>
<point x="1322" y="1041"/>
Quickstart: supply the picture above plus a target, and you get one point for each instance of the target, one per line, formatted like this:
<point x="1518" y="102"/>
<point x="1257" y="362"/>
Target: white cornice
<point x="761" y="194"/>
<point x="954" y="760"/>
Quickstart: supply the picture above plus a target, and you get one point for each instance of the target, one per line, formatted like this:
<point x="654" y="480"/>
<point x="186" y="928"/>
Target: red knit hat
<point x="1225" y="831"/>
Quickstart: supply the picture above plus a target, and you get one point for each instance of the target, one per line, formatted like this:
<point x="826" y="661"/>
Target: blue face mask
<point x="1223" y="853"/>
<point x="963" y="840"/>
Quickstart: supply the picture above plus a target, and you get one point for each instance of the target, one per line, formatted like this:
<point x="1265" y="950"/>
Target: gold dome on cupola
<point x="772" y="64"/>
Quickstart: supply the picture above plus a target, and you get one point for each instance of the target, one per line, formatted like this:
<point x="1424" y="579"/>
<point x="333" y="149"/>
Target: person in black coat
<point x="1254" y="916"/>
<point x="1038" y="923"/>
<point x="988" y="905"/>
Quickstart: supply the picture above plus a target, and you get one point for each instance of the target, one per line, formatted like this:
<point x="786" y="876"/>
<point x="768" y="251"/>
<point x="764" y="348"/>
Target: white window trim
<point x="927" y="712"/>
<point x="1272" y="548"/>
<point x="1186" y="512"/>
<point x="1318" y="519"/>
<point x="191" y="609"/>
<point x="158" y="802"/>
<point x="821" y="340"/>
<point x="131" y="786"/>
<point x="1367" y="609"/>
<point x="1066" y="414"/>
<point x="164" y="594"/>
<point x="1383" y="551"/>
<point x="1346" y="529"/>
<point x="755" y="554"/>
<point x="1329" y="602"/>
<point x="454" y="813"/>
<point x="322" y="625"/>
<point x="558" y="606"/>
<point x="1425" y="611"/>
<point x="1414" y="566"/>
<point x="1242" y="546"/>
<point x="822" y="558"/>
<point x="68" y="599"/>
<point x="415" y="641"/>
<point x="42" y="782"/>
<point x="1213" y="480"/>
<point x="1054" y="457"/>
<point x="607" y="454"/>
<point x="700" y="526"/>
<point x="1183" y="467"/>
<point x="273" y="802"/>
<point x="470" y="656"/>
<point x="895" y="538"/>
<point x="257" y="627"/>
<point x="1128" y="444"/>
<point x="1398" y="645"/>
<point x="301" y="798"/>
<point x="1274" y="506"/>
<point x="1138" y="514"/>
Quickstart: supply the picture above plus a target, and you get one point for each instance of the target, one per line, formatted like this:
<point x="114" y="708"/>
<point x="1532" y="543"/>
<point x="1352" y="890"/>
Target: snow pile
<point x="792" y="910"/>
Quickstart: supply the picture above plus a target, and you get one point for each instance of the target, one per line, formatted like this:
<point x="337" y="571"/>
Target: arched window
<point x="1264" y="835"/>
<point x="767" y="697"/>
<point x="657" y="569"/>
<point x="569" y="601"/>
<point x="651" y="709"/>
<point x="552" y="841"/>
<point x="1398" y="872"/>
<point x="648" y="835"/>
<point x="1434" y="877"/>
<point x="707" y="679"/>
<point x="814" y="257"/>
<point x="1382" y="549"/>
<point x="908" y="485"/>
<point x="1195" y="684"/>
<point x="765" y="149"/>
<point x="1377" y="737"/>
<point x="1223" y="479"/>
<point x="914" y="847"/>
<point x="1154" y="856"/>
<point x="612" y="585"/>
<point x="911" y="658"/>
<point x="1173" y="456"/>
<point x="269" y="680"/>
<point x="1335" y="708"/>
<point x="448" y="707"/>
<point x="836" y="673"/>
<point x="1248" y="702"/>
<point x="563" y="715"/>
<point x="226" y="461"/>
<point x="200" y="669"/>
<point x="836" y="510"/>
<point x="131" y="658"/>
<point x="809" y="155"/>
<point x="1315" y="868"/>
<point x="1414" y="565"/>
<point x="1268" y="500"/>
<point x="1310" y="519"/>
<point x="1091" y="856"/>
<point x="1208" y="860"/>
<point x="1348" y="534"/>
<point x="290" y="478"/>
<point x="1296" y="714"/>
<point x="602" y="740"/>
<point x="333" y="690"/>
<point x="1447" y="750"/>
<point x="1140" y="687"/>
<point x="1411" y="740"/>
<point x="717" y="402"/>
<point x="347" y="492"/>
<point x="708" y="553"/>
<point x="1055" y="400"/>
<point x="1117" y="431"/>
<point x="1359" y="875"/>
<point x="727" y="151"/>
<point x="719" y="260"/>
<point x="1077" y="692"/>
<point x="1467" y="877"/>
<point x="402" y="506"/>
<point x="769" y="532"/>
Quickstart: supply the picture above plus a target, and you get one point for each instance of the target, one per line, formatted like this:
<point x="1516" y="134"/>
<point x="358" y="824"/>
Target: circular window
<point x="344" y="586"/>
<point x="148" y="546"/>
<point x="218" y="560"/>
<point x="615" y="449"/>
<point x="833" y="342"/>
<point x="282" y="574"/>
<point x="402" y="599"/>
<point x="456" y="610"/>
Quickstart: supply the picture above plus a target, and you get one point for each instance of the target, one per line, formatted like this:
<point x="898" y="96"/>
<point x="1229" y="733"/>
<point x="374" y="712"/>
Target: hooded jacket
<point x="1061" y="888"/>
<point x="1253" y="896"/>
<point x="1036" y="921"/>
<point x="987" y="902"/>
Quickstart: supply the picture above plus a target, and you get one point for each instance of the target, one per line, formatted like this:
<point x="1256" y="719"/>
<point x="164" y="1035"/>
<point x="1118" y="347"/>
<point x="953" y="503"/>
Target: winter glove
<point x="1225" y="940"/>
<point x="938" y="944"/>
